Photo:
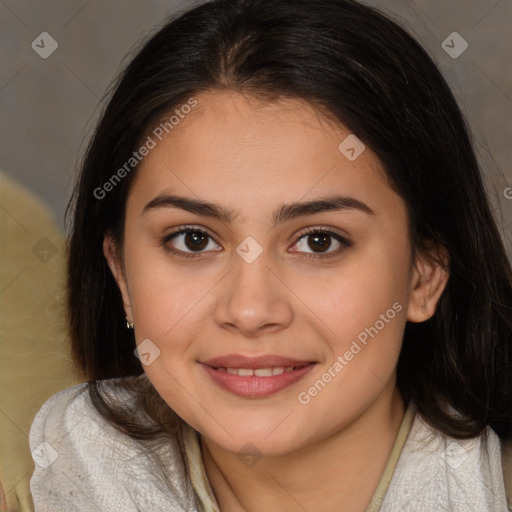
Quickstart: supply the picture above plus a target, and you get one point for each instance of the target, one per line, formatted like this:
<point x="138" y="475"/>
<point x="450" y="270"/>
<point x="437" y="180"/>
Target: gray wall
<point x="49" y="105"/>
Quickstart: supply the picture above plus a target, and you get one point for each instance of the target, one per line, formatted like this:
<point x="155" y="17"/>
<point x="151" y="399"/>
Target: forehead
<point x="237" y="150"/>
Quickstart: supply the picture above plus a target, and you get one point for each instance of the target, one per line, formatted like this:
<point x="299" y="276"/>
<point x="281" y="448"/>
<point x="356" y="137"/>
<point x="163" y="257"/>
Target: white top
<point x="84" y="464"/>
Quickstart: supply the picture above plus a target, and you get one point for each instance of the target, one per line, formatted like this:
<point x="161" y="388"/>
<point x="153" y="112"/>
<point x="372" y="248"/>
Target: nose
<point x="253" y="301"/>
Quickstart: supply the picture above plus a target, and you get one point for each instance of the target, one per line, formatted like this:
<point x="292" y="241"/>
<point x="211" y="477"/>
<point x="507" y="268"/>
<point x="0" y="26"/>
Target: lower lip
<point x="256" y="387"/>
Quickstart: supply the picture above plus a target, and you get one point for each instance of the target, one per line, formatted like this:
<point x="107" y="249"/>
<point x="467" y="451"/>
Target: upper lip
<point x="263" y="361"/>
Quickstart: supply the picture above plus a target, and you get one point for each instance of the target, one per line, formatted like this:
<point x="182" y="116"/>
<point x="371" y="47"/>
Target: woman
<point x="286" y="287"/>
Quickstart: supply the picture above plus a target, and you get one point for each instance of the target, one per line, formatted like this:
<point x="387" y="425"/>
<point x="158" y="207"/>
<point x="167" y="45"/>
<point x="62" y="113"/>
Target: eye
<point x="189" y="240"/>
<point x="320" y="242"/>
<point x="192" y="242"/>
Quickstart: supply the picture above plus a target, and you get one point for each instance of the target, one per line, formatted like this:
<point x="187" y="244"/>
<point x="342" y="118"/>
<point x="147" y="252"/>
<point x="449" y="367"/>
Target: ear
<point x="429" y="278"/>
<point x="113" y="258"/>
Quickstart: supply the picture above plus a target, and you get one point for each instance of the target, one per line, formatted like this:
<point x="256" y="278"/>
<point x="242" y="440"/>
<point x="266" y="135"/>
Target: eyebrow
<point x="284" y="213"/>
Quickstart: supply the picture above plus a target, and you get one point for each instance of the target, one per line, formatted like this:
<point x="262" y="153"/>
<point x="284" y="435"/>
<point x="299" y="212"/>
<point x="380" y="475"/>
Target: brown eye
<point x="186" y="242"/>
<point x="319" y="243"/>
<point x="195" y="240"/>
<point x="316" y="243"/>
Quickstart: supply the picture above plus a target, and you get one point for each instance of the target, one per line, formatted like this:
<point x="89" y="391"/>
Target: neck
<point x="342" y="468"/>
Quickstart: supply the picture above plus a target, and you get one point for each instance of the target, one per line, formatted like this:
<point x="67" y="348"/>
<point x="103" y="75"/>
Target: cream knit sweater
<point x="84" y="464"/>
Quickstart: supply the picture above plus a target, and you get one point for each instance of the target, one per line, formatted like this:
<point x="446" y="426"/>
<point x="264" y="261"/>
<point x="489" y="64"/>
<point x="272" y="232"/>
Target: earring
<point x="129" y="325"/>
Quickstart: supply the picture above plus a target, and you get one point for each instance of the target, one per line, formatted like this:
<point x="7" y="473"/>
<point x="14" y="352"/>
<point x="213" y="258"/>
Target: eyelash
<point x="308" y="231"/>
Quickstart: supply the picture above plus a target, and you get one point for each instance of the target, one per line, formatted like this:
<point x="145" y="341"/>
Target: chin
<point x="260" y="442"/>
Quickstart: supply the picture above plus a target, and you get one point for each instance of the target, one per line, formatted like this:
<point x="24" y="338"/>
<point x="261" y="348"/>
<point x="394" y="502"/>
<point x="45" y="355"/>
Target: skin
<point x="251" y="157"/>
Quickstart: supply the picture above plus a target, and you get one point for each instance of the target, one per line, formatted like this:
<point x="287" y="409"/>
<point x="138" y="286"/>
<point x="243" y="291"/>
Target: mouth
<point x="255" y="377"/>
<point x="270" y="371"/>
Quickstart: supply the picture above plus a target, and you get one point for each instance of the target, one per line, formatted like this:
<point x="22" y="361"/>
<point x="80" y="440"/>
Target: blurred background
<point x="57" y="59"/>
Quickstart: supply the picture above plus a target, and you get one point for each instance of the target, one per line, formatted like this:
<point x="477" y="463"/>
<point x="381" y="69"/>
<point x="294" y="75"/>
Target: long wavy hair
<point x="358" y="66"/>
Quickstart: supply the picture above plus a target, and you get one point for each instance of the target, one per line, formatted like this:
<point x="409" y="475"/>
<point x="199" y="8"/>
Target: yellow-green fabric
<point x="34" y="347"/>
<point x="382" y="486"/>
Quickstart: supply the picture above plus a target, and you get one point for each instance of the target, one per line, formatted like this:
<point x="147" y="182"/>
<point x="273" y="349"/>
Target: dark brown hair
<point x="368" y="73"/>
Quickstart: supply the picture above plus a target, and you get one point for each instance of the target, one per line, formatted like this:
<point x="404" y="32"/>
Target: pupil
<point x="195" y="240"/>
<point x="321" y="241"/>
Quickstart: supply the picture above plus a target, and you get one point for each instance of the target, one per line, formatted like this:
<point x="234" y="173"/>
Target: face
<point x="268" y="275"/>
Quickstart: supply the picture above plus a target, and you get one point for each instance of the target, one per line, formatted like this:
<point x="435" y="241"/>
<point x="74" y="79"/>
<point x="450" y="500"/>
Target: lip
<point x="263" y="361"/>
<point x="254" y="386"/>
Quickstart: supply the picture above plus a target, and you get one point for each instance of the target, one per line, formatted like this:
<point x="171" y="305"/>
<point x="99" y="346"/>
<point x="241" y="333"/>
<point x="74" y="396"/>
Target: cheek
<point x="163" y="296"/>
<point x="355" y="296"/>
<point x="169" y="311"/>
<point x="366" y="320"/>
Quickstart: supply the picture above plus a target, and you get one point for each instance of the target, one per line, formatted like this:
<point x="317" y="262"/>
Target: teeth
<point x="258" y="372"/>
<point x="263" y="372"/>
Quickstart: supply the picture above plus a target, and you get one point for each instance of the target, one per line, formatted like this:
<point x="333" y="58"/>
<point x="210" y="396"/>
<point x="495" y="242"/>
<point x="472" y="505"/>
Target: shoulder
<point x="81" y="460"/>
<point x="68" y="420"/>
<point x="58" y="413"/>
<point x="437" y="472"/>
